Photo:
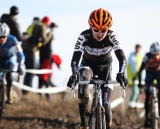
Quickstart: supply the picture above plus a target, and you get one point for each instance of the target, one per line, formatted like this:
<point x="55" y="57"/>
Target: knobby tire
<point x="1" y="99"/>
<point x="99" y="118"/>
<point x="153" y="114"/>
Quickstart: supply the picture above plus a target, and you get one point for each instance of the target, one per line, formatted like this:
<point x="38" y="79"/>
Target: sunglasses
<point x="2" y="37"/>
<point x="99" y="31"/>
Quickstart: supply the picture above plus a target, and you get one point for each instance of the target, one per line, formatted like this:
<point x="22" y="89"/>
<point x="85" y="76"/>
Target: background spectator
<point x="44" y="79"/>
<point x="134" y="63"/>
<point x="11" y="20"/>
<point x="38" y="38"/>
<point x="46" y="61"/>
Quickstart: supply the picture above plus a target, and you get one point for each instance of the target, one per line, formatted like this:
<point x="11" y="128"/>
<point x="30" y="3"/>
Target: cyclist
<point x="94" y="45"/>
<point x="151" y="63"/>
<point x="8" y="46"/>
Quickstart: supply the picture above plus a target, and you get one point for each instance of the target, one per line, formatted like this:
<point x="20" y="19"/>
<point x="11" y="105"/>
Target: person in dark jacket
<point x="37" y="39"/>
<point x="46" y="60"/>
<point x="10" y="20"/>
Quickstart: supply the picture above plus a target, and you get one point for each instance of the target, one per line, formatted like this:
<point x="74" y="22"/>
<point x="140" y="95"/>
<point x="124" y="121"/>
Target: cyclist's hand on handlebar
<point x="73" y="79"/>
<point x="20" y="70"/>
<point x="122" y="79"/>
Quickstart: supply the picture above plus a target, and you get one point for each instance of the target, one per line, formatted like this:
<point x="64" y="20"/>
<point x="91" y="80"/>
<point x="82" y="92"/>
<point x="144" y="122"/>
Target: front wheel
<point x="1" y="100"/>
<point x="99" y="118"/>
<point x="154" y="114"/>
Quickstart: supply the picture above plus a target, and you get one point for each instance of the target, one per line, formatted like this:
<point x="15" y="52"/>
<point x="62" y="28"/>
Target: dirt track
<point x="30" y="112"/>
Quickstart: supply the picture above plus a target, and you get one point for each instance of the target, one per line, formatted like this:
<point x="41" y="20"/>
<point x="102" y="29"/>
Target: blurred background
<point x="134" y="22"/>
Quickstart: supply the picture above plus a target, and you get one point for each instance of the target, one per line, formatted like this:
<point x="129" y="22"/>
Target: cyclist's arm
<point x="19" y="51"/>
<point x="75" y="61"/>
<point x="122" y="60"/>
<point x="20" y="54"/>
<point x="139" y="74"/>
<point x="118" y="51"/>
<point x="78" y="51"/>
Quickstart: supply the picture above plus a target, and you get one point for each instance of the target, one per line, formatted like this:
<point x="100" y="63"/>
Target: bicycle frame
<point x="97" y="101"/>
<point x="97" y="107"/>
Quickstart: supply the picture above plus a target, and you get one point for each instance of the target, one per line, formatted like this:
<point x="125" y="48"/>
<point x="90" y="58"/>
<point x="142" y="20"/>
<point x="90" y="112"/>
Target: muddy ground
<point x="32" y="112"/>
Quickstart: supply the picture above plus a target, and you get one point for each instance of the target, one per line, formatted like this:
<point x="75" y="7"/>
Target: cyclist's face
<point x="3" y="39"/>
<point x="99" y="35"/>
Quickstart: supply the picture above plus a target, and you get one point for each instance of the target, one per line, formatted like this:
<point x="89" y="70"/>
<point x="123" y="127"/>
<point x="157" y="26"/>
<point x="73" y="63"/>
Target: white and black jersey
<point x="98" y="52"/>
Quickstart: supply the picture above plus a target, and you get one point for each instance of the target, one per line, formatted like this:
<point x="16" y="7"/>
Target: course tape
<point x="38" y="71"/>
<point x="41" y="71"/>
<point x="44" y="90"/>
<point x="114" y="103"/>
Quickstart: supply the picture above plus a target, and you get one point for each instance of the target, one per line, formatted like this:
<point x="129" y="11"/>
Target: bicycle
<point x="153" y="106"/>
<point x="96" y="116"/>
<point x="2" y="90"/>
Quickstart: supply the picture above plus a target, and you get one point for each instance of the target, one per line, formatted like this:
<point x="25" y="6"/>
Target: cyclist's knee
<point x="85" y="73"/>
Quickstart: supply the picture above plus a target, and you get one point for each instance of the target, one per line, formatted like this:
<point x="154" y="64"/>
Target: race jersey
<point x="10" y="48"/>
<point x="151" y="62"/>
<point x="98" y="52"/>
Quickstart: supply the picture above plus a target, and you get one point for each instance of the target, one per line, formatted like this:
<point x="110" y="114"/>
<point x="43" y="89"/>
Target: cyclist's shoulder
<point x="149" y="55"/>
<point x="85" y="35"/>
<point x="111" y="33"/>
<point x="12" y="40"/>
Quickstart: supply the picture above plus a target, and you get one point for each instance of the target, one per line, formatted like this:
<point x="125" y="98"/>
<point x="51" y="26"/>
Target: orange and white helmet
<point x="101" y="19"/>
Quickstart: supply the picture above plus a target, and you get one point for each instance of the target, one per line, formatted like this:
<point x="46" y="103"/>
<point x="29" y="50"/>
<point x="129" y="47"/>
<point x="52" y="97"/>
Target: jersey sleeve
<point x="118" y="51"/>
<point x="19" y="51"/>
<point x="114" y="41"/>
<point x="78" y="51"/>
<point x="79" y="44"/>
